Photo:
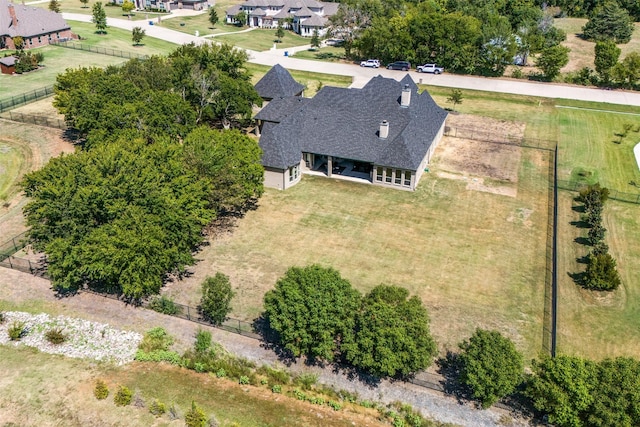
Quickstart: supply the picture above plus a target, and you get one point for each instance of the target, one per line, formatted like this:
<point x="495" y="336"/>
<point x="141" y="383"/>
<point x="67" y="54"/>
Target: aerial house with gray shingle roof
<point x="384" y="134"/>
<point x="37" y="26"/>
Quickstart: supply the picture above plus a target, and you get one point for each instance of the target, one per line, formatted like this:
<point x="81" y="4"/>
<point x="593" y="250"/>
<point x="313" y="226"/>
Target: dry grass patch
<point x="47" y="390"/>
<point x="476" y="259"/>
<point x="26" y="148"/>
<point x="583" y="51"/>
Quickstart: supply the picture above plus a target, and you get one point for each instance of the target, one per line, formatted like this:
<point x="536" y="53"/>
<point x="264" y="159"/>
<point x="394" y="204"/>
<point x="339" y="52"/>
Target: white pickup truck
<point x="430" y="68"/>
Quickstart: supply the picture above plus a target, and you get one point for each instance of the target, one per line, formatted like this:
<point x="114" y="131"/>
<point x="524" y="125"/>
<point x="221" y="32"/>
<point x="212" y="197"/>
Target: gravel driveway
<point x="21" y="287"/>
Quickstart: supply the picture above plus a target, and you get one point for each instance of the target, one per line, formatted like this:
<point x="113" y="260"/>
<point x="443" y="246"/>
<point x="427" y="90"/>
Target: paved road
<point x="362" y="75"/>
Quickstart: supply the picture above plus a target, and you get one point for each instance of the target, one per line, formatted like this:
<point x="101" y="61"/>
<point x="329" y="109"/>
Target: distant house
<point x="169" y="5"/>
<point x="305" y="16"/>
<point x="8" y="65"/>
<point x="37" y="26"/>
<point x="384" y="133"/>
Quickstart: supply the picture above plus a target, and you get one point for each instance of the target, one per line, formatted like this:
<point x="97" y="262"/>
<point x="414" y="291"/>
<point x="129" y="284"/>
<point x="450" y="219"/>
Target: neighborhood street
<point x="362" y="75"/>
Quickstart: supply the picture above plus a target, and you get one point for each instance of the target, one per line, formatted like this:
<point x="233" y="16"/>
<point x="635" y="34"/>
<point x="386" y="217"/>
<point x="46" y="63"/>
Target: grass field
<point x="15" y="159"/>
<point x="201" y="24"/>
<point x="582" y="51"/>
<point x="329" y="53"/>
<point x="58" y="59"/>
<point x="75" y="6"/>
<point x="590" y="148"/>
<point x="23" y="148"/>
<point x="119" y="39"/>
<point x="263" y="39"/>
<point x="312" y="81"/>
<point x="600" y="324"/>
<point x="46" y="390"/>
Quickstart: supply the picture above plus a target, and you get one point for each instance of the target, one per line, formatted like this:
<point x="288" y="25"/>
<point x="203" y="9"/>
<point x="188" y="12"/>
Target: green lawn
<point x="263" y="39"/>
<point x="75" y="6"/>
<point x="312" y="81"/>
<point x="201" y="24"/>
<point x="119" y="39"/>
<point x="600" y="324"/>
<point x="15" y="158"/>
<point x="329" y="53"/>
<point x="56" y="60"/>
<point x="590" y="148"/>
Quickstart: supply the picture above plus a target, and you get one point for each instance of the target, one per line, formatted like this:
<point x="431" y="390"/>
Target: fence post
<point x="239" y="330"/>
<point x="30" y="269"/>
<point x="188" y="313"/>
<point x="10" y="264"/>
<point x="15" y="247"/>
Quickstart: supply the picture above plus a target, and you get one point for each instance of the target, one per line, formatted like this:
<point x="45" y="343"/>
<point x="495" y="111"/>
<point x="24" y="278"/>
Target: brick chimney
<point x="14" y="18"/>
<point x="405" y="98"/>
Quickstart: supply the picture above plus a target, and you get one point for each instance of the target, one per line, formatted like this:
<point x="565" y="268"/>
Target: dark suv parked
<point x="399" y="65"/>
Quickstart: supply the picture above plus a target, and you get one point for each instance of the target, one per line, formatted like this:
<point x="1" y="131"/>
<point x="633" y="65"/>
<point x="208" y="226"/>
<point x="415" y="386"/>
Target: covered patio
<point x="336" y="167"/>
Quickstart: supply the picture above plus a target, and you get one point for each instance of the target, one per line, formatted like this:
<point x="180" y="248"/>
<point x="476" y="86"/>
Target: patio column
<point x="329" y="165"/>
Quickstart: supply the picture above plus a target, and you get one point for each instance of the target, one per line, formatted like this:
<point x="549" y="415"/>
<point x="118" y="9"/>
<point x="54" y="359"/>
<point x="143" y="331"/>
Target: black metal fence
<point x="25" y="98"/>
<point x="37" y="120"/>
<point x="613" y="194"/>
<point x="100" y="50"/>
<point x="192" y="314"/>
<point x="13" y="245"/>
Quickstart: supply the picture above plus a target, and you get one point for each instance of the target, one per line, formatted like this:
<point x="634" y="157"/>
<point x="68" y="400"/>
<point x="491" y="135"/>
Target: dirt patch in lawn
<point x="486" y="166"/>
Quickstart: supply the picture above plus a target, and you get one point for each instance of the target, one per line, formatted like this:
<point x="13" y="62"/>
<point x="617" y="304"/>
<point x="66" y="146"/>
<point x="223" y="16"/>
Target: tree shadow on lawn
<point x="578" y="278"/>
<point x="580" y="224"/>
<point x="582" y="241"/>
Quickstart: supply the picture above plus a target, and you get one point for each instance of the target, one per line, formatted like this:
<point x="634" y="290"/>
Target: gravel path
<point x="21" y="287"/>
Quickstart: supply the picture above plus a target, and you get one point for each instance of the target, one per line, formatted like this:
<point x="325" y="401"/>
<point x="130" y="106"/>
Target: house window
<point x="398" y="178"/>
<point x="379" y="174"/>
<point x="294" y="172"/>
<point x="387" y="178"/>
<point x="407" y="178"/>
<point x="39" y="40"/>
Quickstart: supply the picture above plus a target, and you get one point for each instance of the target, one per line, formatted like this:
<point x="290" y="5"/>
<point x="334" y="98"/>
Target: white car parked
<point x="430" y="68"/>
<point x="370" y="63"/>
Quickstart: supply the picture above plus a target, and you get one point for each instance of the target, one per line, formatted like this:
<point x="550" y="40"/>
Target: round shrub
<point x="123" y="396"/>
<point x="101" y="391"/>
<point x="55" y="336"/>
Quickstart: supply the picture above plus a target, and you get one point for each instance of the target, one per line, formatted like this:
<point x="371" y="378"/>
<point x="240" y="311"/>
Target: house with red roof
<point x="36" y="26"/>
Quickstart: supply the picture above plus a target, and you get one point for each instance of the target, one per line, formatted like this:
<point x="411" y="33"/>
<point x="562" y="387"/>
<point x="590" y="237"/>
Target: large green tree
<point x="609" y="22"/>
<point x="118" y="217"/>
<point x="627" y="72"/>
<point x="391" y="335"/>
<point x="616" y="401"/>
<point x="230" y="161"/>
<point x="552" y="59"/>
<point x="99" y="18"/>
<point x="606" y="57"/>
<point x="311" y="309"/>
<point x="215" y="303"/>
<point x="490" y="366"/>
<point x="563" y="388"/>
<point x="601" y="273"/>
